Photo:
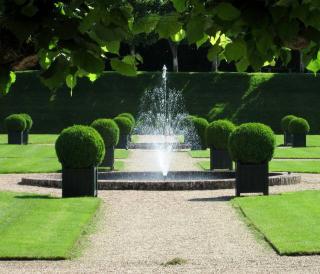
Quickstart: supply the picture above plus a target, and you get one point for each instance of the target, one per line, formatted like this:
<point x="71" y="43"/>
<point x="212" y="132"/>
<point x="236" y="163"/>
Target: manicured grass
<point x="312" y="140"/>
<point x="199" y="153"/>
<point x="34" y="138"/>
<point x="283" y="166"/>
<point x="42" y="227"/>
<point x="290" y="222"/>
<point x="296" y="166"/>
<point x="38" y="159"/>
<point x="298" y="153"/>
<point x="280" y="153"/>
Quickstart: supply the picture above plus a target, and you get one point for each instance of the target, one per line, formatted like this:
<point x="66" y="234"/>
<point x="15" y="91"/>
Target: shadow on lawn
<point x="40" y="197"/>
<point x="212" y="199"/>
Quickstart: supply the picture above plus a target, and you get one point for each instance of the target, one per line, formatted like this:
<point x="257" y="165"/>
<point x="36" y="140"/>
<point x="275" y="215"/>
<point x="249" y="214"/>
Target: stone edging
<point x="205" y="184"/>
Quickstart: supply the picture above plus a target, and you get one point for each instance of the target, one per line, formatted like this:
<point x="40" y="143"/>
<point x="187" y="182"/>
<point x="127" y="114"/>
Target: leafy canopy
<point x="75" y="38"/>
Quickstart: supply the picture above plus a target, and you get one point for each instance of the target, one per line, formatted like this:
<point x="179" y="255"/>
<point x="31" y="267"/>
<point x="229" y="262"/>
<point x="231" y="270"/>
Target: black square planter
<point x="15" y="138"/>
<point x="220" y="159"/>
<point x="287" y="138"/>
<point x="123" y="142"/>
<point x="299" y="140"/>
<point x="79" y="182"/>
<point x="108" y="160"/>
<point x="251" y="178"/>
<point x="26" y="137"/>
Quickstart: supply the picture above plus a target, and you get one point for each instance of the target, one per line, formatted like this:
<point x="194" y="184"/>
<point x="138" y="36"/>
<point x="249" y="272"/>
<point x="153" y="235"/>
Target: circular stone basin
<point x="176" y="180"/>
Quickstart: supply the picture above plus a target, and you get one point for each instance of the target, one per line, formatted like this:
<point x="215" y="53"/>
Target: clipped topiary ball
<point x="15" y="122"/>
<point x="285" y="121"/>
<point x="218" y="132"/>
<point x="28" y="119"/>
<point x="299" y="126"/>
<point x="129" y="116"/>
<point x="252" y="143"/>
<point x="80" y="147"/>
<point x="109" y="131"/>
<point x="200" y="125"/>
<point x="125" y="125"/>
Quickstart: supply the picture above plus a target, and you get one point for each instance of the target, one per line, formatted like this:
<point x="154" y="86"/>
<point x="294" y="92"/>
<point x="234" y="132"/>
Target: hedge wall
<point x="238" y="96"/>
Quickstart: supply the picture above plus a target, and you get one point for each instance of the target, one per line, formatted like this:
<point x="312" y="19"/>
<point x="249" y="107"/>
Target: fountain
<point x="163" y="117"/>
<point x="164" y="120"/>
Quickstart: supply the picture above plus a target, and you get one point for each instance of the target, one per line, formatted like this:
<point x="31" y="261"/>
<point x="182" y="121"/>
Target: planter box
<point x="15" y="138"/>
<point x="220" y="159"/>
<point x="287" y="138"/>
<point x="108" y="160"/>
<point x="251" y="178"/>
<point x="299" y="140"/>
<point x="123" y="142"/>
<point x="79" y="182"/>
<point x="26" y="137"/>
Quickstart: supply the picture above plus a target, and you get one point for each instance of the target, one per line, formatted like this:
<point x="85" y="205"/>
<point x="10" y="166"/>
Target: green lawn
<point x="34" y="138"/>
<point x="284" y="166"/>
<point x="38" y="159"/>
<point x="43" y="227"/>
<point x="280" y="153"/>
<point x="289" y="222"/>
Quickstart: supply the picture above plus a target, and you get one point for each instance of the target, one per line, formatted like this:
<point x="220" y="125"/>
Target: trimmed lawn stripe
<point x="298" y="166"/>
<point x="290" y="222"/>
<point x="42" y="227"/>
<point x="39" y="159"/>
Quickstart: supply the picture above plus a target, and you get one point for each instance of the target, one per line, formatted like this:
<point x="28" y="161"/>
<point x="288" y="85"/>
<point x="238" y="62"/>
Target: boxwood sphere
<point x="200" y="125"/>
<point x="218" y="132"/>
<point x="252" y="143"/>
<point x="299" y="126"/>
<point x="29" y="121"/>
<point x="109" y="131"/>
<point x="80" y="147"/>
<point x="129" y="116"/>
<point x="125" y="125"/>
<point x="15" y="122"/>
<point x="285" y="121"/>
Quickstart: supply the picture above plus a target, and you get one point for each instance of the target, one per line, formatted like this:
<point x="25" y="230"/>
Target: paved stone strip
<point x="119" y="183"/>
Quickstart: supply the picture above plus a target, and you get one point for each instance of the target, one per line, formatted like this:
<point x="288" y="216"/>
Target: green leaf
<point x="195" y="29"/>
<point x="145" y="24"/>
<point x="123" y="68"/>
<point x="29" y="10"/>
<point x="314" y="65"/>
<point x="179" y="5"/>
<point x="56" y="74"/>
<point x="167" y="26"/>
<point x="179" y="36"/>
<point x="112" y="47"/>
<point x="106" y="33"/>
<point x="88" y="62"/>
<point x="227" y="12"/>
<point x="213" y="52"/>
<point x="71" y="81"/>
<point x="214" y="39"/>
<point x="242" y="65"/>
<point x="7" y="78"/>
<point x="202" y="41"/>
<point x="235" y="50"/>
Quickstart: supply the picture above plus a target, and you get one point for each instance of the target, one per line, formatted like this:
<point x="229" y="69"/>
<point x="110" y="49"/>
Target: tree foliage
<point x="74" y="38"/>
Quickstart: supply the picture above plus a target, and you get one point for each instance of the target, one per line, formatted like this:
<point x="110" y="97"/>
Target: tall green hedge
<point x="240" y="97"/>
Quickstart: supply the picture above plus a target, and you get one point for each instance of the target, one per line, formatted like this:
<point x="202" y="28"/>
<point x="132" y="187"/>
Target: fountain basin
<point x="176" y="180"/>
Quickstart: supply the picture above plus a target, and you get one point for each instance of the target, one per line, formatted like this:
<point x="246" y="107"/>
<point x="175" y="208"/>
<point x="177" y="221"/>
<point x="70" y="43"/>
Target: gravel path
<point x="140" y="230"/>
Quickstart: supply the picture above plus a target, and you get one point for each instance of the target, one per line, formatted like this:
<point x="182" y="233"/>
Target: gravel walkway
<point x="138" y="231"/>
